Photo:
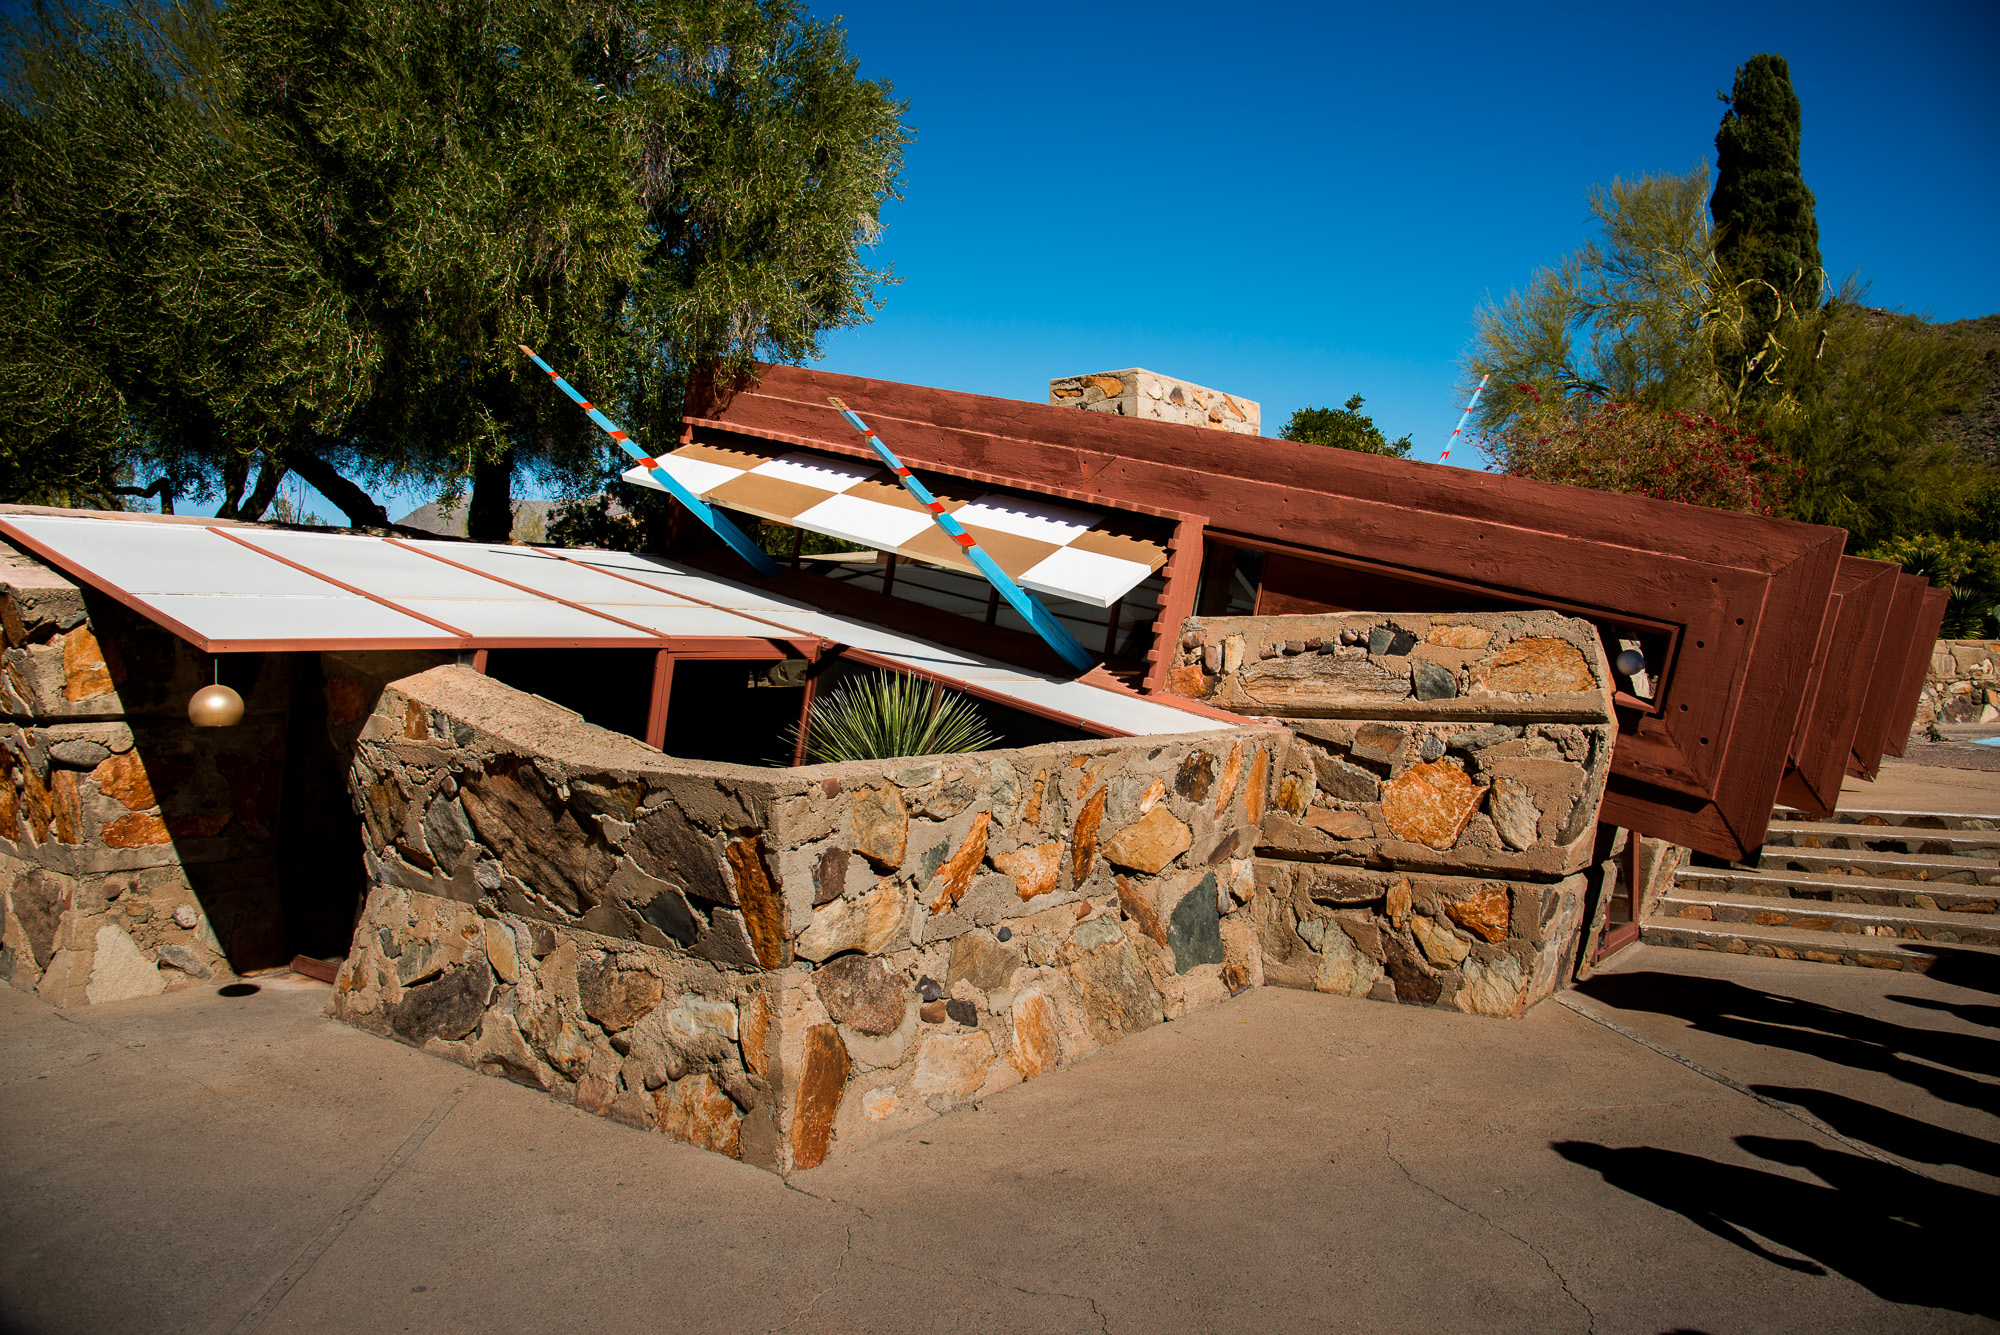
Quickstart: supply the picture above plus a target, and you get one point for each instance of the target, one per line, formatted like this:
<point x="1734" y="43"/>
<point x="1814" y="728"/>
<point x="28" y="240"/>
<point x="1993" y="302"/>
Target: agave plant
<point x="887" y="714"/>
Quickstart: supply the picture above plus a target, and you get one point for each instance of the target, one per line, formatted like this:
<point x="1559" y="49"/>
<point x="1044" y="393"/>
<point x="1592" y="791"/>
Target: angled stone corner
<point x="1438" y="760"/>
<point x="783" y="965"/>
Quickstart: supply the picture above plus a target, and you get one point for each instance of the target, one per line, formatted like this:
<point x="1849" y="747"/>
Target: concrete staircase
<point x="1874" y="888"/>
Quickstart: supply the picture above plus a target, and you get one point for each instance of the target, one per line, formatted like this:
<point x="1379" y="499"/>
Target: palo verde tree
<point x="1344" y="428"/>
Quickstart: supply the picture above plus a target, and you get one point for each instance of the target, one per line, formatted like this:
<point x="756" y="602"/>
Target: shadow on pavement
<point x="1987" y="1016"/>
<point x="1976" y="970"/>
<point x="1900" y="1235"/>
<point x="1945" y="1065"/>
<point x="1905" y="1137"/>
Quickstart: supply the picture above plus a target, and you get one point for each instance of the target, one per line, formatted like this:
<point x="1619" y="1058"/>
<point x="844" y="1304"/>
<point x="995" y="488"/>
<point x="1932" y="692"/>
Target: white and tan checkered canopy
<point x="1094" y="558"/>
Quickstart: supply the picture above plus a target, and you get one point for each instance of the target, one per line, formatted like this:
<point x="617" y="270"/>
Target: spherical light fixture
<point x="215" y="707"/>
<point x="1629" y="663"/>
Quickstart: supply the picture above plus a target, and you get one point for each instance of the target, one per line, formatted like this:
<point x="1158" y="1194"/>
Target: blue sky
<point x="1297" y="203"/>
<point x="1301" y="202"/>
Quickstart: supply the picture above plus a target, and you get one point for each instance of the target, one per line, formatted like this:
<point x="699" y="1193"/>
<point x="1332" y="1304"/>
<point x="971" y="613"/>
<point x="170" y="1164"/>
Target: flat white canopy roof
<point x="241" y="589"/>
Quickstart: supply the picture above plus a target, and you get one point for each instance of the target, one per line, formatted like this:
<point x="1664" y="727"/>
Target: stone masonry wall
<point x="1963" y="684"/>
<point x="1433" y="835"/>
<point x="1159" y="398"/>
<point x="780" y="964"/>
<point x="140" y="854"/>
<point x="136" y="852"/>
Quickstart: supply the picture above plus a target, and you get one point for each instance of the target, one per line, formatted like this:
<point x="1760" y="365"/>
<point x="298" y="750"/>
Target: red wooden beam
<point x="663" y="692"/>
<point x="1746" y="595"/>
<point x="1930" y="620"/>
<point x="1882" y="705"/>
<point x="1177" y="595"/>
<point x="1850" y="643"/>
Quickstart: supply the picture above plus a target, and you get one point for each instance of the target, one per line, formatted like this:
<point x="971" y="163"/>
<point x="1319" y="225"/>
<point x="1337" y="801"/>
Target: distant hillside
<point x="531" y="520"/>
<point x="1978" y="429"/>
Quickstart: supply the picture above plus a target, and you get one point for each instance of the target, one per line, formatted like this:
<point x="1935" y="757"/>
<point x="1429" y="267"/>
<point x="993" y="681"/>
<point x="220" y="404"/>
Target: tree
<point x="1626" y="317"/>
<point x="1867" y="440"/>
<point x="1344" y="428"/>
<point x="1645" y="314"/>
<point x="1766" y="237"/>
<point x="313" y="230"/>
<point x="157" y="313"/>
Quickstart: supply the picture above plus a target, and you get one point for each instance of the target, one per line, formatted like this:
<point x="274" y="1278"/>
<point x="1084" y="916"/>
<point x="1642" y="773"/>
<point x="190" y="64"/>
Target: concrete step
<point x="1839" y="888"/>
<point x="1743" y="938"/>
<point x="1803" y="917"/>
<point x="1915" y="841"/>
<point x="1916" y="820"/>
<point x="1936" y="868"/>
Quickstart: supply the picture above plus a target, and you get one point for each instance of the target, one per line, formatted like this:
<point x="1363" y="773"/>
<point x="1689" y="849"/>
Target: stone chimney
<point x="1147" y="394"/>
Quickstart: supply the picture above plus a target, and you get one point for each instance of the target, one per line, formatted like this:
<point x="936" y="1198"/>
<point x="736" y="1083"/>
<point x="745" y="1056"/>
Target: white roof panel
<point x="1027" y="518"/>
<point x="338" y="620"/>
<point x="141" y="558"/>
<point x="382" y="568"/>
<point x="1088" y="577"/>
<point x="673" y="579"/>
<point x="534" y="619"/>
<point x="817" y="470"/>
<point x="822" y="499"/>
<point x="544" y="571"/>
<point x="692" y="621"/>
<point x="227" y="595"/>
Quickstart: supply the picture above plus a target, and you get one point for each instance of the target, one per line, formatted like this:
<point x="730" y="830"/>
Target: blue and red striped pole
<point x="706" y="513"/>
<point x="1465" y="417"/>
<point x="1017" y="597"/>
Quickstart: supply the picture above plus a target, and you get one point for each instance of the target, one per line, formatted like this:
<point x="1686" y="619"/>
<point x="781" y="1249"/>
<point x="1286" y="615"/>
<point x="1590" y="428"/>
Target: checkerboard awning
<point x="1088" y="557"/>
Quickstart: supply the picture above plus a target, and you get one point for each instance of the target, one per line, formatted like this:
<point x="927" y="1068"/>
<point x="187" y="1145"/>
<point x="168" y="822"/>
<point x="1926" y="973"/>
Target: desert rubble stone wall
<point x="137" y="853"/>
<point x="1963" y="683"/>
<point x="780" y="964"/>
<point x="1433" y="835"/>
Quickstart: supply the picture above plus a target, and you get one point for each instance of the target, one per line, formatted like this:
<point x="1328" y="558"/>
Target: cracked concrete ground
<point x="1281" y="1162"/>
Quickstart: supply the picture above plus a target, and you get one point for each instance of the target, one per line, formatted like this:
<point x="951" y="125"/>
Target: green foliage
<point x="1866" y="440"/>
<point x="1344" y="428"/>
<point x="283" y="232"/>
<point x="1620" y="318"/>
<point x="777" y="539"/>
<point x="158" y="315"/>
<point x="886" y="714"/>
<point x="1766" y="237"/>
<point x="1968" y="571"/>
<point x="1667" y="454"/>
<point x="1645" y="314"/>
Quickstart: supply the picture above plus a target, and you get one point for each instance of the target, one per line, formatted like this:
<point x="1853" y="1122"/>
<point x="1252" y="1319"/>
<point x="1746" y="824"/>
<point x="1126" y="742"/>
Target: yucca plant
<point x="887" y="714"/>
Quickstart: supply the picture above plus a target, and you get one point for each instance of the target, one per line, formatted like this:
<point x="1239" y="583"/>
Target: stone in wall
<point x="1445" y="769"/>
<point x="1471" y="743"/>
<point x="1486" y="947"/>
<point x="1469" y="667"/>
<point x="1962" y="684"/>
<point x="1154" y="397"/>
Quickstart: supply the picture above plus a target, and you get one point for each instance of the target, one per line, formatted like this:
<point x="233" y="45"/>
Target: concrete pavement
<point x="1902" y="786"/>
<point x="1282" y="1162"/>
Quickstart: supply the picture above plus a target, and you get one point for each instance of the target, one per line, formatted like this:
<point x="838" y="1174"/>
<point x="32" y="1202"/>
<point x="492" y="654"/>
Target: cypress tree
<point x="1766" y="238"/>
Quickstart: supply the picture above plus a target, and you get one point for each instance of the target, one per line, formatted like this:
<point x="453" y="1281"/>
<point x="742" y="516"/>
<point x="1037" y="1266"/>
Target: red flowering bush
<point x="1640" y="450"/>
